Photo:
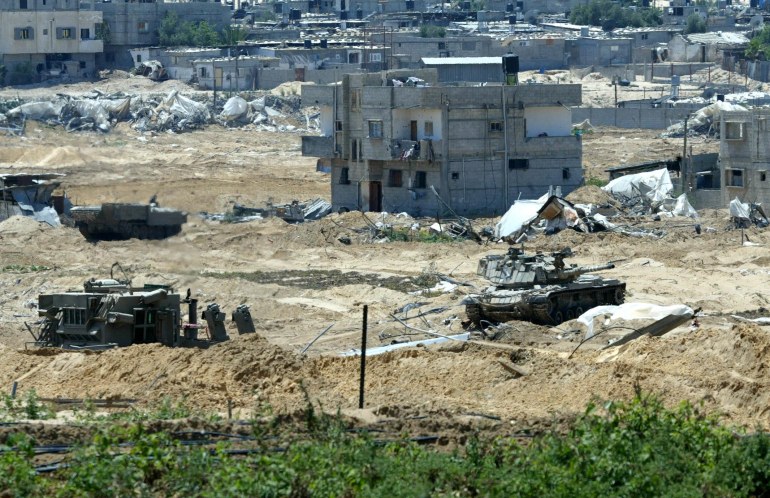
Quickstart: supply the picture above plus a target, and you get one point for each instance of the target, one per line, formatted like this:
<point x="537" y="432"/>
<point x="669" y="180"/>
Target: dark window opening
<point x="762" y="176"/>
<point x="495" y="126"/>
<point x="420" y="179"/>
<point x="395" y="178"/>
<point x="22" y="4"/>
<point x="565" y="174"/>
<point x="338" y="125"/>
<point x="345" y="176"/>
<point x="455" y="175"/>
<point x="734" y="177"/>
<point x="85" y="34"/>
<point x="518" y="163"/>
<point x="354" y="149"/>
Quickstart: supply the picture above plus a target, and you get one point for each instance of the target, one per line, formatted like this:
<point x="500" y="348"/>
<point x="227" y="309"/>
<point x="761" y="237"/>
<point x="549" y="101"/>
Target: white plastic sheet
<point x="630" y="311"/>
<point x="518" y="216"/>
<point x="234" y="109"/>
<point x="739" y="209"/>
<point x="655" y="185"/>
<point x="684" y="208"/>
<point x="37" y="110"/>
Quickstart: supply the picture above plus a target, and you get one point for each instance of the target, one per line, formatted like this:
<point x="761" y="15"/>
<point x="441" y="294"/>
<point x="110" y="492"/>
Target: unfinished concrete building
<point x="391" y="136"/>
<point x="744" y="156"/>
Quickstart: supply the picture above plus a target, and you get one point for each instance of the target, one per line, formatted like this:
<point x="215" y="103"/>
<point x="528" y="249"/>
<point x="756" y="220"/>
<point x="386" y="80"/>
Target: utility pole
<point x="683" y="163"/>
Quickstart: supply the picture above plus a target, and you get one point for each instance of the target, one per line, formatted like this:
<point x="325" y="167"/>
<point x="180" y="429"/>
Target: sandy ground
<point x="722" y="364"/>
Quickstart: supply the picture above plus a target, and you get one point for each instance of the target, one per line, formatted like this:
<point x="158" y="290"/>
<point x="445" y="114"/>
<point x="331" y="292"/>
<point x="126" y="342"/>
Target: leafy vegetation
<point x="29" y="407"/>
<point x="610" y="15"/>
<point x="596" y="181"/>
<point x="759" y="46"/>
<point x="638" y="448"/>
<point x="695" y="24"/>
<point x="432" y="31"/>
<point x="23" y="268"/>
<point x="174" y="32"/>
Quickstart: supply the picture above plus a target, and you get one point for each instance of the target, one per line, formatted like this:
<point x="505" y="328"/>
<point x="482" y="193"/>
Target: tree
<point x="611" y="15"/>
<point x="432" y="31"/>
<point x="174" y="33"/>
<point x="759" y="46"/>
<point x="695" y="24"/>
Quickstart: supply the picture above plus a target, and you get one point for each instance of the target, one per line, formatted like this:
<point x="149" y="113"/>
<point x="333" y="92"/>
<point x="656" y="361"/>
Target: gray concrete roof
<point x="448" y="61"/>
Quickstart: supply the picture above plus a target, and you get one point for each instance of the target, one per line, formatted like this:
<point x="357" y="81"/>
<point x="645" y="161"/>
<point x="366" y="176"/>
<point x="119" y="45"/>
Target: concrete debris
<point x="294" y="212"/>
<point x="703" y="122"/>
<point x="33" y="195"/>
<point x="173" y="112"/>
<point x="627" y="312"/>
<point x="153" y="70"/>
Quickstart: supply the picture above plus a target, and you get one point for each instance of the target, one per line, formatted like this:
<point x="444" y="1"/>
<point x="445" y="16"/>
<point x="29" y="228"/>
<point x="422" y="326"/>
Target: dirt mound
<point x="591" y="194"/>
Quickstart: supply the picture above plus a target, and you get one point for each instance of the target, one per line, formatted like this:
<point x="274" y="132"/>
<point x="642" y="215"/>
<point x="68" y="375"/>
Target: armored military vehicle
<point x="111" y="312"/>
<point x="118" y="221"/>
<point x="539" y="288"/>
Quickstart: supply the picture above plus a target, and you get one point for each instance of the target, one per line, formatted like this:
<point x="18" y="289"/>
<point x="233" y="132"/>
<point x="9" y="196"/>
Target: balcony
<point x="428" y="150"/>
<point x="91" y="46"/>
<point x="317" y="146"/>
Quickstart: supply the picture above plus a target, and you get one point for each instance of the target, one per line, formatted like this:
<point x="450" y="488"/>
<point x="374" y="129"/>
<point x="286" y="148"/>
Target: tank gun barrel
<point x="580" y="270"/>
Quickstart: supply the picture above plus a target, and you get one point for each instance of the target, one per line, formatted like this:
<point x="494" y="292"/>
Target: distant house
<point x="704" y="47"/>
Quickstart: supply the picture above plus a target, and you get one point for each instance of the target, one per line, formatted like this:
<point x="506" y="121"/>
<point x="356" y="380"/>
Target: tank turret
<point x="540" y="288"/>
<point x="119" y="221"/>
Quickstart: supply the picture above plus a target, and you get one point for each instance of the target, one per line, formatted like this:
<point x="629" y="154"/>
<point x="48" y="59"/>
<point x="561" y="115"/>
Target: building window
<point x="82" y="64"/>
<point x="45" y="32"/>
<point x="420" y="179"/>
<point x="344" y="176"/>
<point x="202" y="72"/>
<point x="734" y="177"/>
<point x="23" y="34"/>
<point x="394" y="178"/>
<point x="355" y="99"/>
<point x="645" y="36"/>
<point x="565" y="174"/>
<point x="442" y="45"/>
<point x="375" y="57"/>
<point x="518" y="163"/>
<point x="23" y="4"/>
<point x="143" y="27"/>
<point x="429" y="128"/>
<point x="455" y="175"/>
<point x="139" y="59"/>
<point x="495" y="126"/>
<point x="734" y="130"/>
<point x="85" y="34"/>
<point x="354" y="149"/>
<point x="338" y="125"/>
<point x="762" y="176"/>
<point x="64" y="33"/>
<point x="375" y="128"/>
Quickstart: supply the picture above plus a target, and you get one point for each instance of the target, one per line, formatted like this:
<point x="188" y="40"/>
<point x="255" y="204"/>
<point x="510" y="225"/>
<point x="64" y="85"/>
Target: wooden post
<point x="363" y="360"/>
<point x="13" y="389"/>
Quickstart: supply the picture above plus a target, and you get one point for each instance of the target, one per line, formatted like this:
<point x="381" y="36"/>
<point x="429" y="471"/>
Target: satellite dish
<point x="757" y="21"/>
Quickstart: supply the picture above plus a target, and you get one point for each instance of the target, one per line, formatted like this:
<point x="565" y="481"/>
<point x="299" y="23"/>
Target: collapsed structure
<point x="32" y="195"/>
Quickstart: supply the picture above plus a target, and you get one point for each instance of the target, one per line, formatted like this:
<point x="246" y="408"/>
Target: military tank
<point x="122" y="221"/>
<point x="110" y="312"/>
<point x="539" y="288"/>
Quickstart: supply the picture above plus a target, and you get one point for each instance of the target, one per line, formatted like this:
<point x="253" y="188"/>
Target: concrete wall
<point x="744" y="149"/>
<point x="599" y="51"/>
<point x="539" y="53"/>
<point x="652" y="119"/>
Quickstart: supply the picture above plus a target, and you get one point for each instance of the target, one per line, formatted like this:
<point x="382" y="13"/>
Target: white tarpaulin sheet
<point x="37" y="110"/>
<point x="630" y="311"/>
<point x="684" y="208"/>
<point x="235" y="108"/>
<point x="518" y="216"/>
<point x="184" y="108"/>
<point x="655" y="185"/>
<point x="739" y="209"/>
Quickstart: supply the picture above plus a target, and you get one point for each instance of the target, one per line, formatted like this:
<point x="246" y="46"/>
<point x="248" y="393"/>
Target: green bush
<point x="636" y="448"/>
<point x="432" y="31"/>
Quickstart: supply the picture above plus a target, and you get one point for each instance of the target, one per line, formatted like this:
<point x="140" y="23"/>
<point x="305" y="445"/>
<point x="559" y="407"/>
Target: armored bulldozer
<point x="118" y="221"/>
<point x="111" y="312"/>
<point x="539" y="288"/>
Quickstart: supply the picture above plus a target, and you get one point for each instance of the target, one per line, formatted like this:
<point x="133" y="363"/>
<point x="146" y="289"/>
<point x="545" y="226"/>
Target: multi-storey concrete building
<point x="389" y="139"/>
<point x="43" y="37"/>
<point x="744" y="156"/>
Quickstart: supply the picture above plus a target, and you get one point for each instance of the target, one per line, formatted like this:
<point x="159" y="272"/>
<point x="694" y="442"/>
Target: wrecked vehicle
<point x="111" y="312"/>
<point x="118" y="221"/>
<point x="539" y="288"/>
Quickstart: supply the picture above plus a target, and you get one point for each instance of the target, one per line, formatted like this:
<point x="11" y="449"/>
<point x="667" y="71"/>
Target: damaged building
<point x="392" y="136"/>
<point x="744" y="153"/>
<point x="32" y="195"/>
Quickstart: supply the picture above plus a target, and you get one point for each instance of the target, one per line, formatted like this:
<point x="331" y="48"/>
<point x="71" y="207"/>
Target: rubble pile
<point x="643" y="196"/>
<point x="173" y="112"/>
<point x="705" y="121"/>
